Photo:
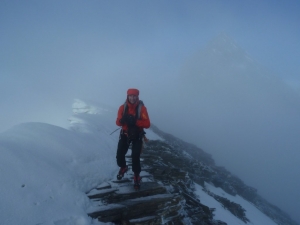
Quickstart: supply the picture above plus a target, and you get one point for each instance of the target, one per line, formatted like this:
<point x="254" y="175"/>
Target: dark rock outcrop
<point x="201" y="168"/>
<point x="166" y="195"/>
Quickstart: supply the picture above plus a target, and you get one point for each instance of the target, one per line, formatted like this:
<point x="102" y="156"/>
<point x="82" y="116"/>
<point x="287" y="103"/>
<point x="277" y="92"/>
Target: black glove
<point x="131" y="120"/>
<point x="124" y="119"/>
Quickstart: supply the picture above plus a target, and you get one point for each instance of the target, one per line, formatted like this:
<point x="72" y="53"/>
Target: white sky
<point x="58" y="50"/>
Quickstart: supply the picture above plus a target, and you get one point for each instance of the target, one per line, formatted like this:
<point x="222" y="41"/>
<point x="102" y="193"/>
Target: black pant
<point x="123" y="146"/>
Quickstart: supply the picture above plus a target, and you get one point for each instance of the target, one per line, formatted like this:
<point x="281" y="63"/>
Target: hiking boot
<point x="137" y="182"/>
<point x="121" y="173"/>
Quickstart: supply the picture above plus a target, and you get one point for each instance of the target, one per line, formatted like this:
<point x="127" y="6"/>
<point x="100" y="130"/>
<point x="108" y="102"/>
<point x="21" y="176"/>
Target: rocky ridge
<point x="167" y="195"/>
<point x="203" y="169"/>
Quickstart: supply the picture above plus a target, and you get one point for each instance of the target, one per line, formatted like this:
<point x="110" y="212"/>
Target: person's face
<point x="132" y="98"/>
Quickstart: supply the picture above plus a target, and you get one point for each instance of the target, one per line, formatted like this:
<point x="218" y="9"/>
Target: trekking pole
<point x="115" y="130"/>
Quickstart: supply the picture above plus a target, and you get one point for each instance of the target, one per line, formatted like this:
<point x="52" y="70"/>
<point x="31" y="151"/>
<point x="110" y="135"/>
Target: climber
<point x="133" y="117"/>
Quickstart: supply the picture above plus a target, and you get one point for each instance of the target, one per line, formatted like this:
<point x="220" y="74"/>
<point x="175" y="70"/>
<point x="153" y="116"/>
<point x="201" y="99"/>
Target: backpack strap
<point x="125" y="108"/>
<point x="138" y="109"/>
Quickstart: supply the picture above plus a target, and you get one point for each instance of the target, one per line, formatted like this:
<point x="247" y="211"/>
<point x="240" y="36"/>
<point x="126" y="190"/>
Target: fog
<point x="249" y="120"/>
<point x="238" y="99"/>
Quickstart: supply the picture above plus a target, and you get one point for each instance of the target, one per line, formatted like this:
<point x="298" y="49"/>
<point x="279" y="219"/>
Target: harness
<point x="137" y="110"/>
<point x="133" y="133"/>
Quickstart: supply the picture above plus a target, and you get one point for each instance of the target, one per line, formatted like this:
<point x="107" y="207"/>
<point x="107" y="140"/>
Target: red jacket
<point x="143" y="122"/>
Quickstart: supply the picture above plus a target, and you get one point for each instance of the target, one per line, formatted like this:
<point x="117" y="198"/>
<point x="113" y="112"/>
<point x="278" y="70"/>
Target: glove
<point x="124" y="119"/>
<point x="131" y="120"/>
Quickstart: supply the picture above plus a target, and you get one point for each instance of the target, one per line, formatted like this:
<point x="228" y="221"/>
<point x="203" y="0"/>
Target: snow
<point x="142" y="219"/>
<point x="46" y="170"/>
<point x="255" y="216"/>
<point x="104" y="191"/>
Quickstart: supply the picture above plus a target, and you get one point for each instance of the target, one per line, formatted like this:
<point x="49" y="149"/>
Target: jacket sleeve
<point x="144" y="121"/>
<point x="120" y="114"/>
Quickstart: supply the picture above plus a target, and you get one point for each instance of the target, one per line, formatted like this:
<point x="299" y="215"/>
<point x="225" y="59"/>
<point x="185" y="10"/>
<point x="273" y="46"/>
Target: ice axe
<point x="115" y="130"/>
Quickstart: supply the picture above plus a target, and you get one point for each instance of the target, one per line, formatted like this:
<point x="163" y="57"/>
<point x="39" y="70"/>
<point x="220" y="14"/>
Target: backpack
<point x="134" y="132"/>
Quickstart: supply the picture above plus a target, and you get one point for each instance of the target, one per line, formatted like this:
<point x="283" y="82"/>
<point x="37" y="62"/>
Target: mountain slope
<point x="46" y="172"/>
<point x="242" y="114"/>
<point x="207" y="174"/>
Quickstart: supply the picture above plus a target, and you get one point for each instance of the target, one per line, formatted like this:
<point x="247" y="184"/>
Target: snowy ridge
<point x="95" y="117"/>
<point x="80" y="106"/>
<point x="46" y="171"/>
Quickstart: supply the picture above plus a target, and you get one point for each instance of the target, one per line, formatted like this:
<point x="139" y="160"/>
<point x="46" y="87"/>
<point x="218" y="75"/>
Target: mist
<point x="241" y="105"/>
<point x="248" y="119"/>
